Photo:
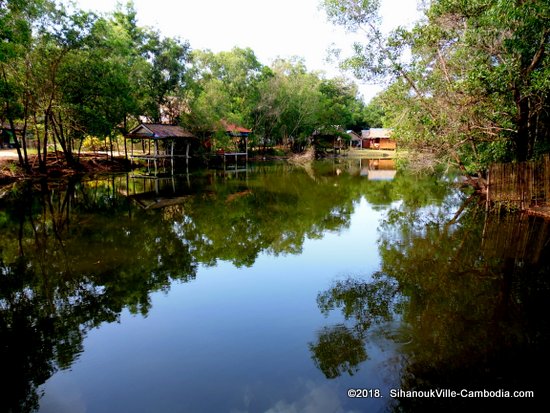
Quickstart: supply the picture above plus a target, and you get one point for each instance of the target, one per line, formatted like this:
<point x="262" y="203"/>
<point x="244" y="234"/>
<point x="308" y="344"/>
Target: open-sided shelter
<point x="161" y="141"/>
<point x="239" y="140"/>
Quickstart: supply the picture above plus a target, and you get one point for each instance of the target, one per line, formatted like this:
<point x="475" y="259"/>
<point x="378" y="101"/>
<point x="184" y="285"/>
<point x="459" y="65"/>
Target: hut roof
<point x="376" y="133"/>
<point x="159" y="131"/>
<point x="354" y="135"/>
<point x="232" y="128"/>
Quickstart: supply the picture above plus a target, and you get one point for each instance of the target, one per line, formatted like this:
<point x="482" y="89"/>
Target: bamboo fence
<point x="519" y="185"/>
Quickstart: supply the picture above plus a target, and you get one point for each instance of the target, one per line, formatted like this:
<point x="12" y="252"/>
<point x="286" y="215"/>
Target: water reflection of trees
<point x="341" y="348"/>
<point x="265" y="212"/>
<point x="472" y="291"/>
<point x="72" y="257"/>
<point x="75" y="254"/>
<point x="237" y="218"/>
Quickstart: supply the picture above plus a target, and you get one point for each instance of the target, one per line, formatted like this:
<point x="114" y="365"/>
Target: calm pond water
<point x="275" y="289"/>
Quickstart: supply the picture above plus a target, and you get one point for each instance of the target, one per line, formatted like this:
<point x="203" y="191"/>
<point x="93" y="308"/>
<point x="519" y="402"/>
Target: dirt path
<point x="8" y="154"/>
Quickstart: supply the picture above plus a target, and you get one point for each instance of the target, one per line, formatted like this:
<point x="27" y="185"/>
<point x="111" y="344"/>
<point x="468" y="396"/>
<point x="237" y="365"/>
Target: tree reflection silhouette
<point x="472" y="291"/>
<point x="65" y="271"/>
<point x="340" y="349"/>
<point x="75" y="254"/>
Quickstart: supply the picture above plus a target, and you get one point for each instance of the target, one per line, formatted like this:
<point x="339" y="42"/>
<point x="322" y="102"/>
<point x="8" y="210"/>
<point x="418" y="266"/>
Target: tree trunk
<point x="521" y="137"/>
<point x="17" y="144"/>
<point x="64" y="142"/>
<point x="42" y="167"/>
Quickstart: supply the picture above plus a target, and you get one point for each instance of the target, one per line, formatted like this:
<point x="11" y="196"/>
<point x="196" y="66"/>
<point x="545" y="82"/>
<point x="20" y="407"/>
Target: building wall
<point x="379" y="143"/>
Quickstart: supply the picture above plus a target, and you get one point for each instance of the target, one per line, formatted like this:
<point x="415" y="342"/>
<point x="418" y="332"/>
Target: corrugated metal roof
<point x="159" y="131"/>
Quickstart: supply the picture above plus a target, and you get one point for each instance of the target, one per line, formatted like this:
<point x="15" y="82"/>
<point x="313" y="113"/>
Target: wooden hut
<point x="239" y="137"/>
<point x="355" y="139"/>
<point x="378" y="138"/>
<point x="160" y="142"/>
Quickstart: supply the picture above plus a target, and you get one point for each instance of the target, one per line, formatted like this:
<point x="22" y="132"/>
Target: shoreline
<point x="100" y="162"/>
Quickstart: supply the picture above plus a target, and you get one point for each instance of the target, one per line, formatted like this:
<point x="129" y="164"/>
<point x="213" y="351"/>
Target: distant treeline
<point x="67" y="74"/>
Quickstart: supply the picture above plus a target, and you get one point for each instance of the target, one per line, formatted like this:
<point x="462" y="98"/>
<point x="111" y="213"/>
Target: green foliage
<point x="474" y="89"/>
<point x="79" y="74"/>
<point x="225" y="88"/>
<point x="373" y="114"/>
<point x="166" y="77"/>
<point x="456" y="296"/>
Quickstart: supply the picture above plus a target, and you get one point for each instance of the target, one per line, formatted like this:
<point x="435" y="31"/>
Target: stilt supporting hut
<point x="160" y="143"/>
<point x="239" y="136"/>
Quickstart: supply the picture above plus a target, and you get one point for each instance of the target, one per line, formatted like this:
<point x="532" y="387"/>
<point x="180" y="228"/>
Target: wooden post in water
<point x="155" y="157"/>
<point x="172" y="158"/>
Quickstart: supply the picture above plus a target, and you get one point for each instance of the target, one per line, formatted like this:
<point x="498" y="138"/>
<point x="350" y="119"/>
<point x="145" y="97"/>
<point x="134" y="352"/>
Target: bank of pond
<point x="273" y="287"/>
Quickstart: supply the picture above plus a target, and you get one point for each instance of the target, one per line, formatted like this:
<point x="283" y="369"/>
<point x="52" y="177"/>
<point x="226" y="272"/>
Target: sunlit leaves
<point x="475" y="79"/>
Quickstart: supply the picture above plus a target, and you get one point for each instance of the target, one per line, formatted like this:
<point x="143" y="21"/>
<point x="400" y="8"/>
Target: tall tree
<point x="16" y="20"/>
<point x="99" y="83"/>
<point x="166" y="78"/>
<point x="476" y="84"/>
<point x="226" y="87"/>
<point x="290" y="101"/>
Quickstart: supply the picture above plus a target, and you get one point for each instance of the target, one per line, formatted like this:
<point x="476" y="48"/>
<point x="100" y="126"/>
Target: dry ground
<point x="8" y="154"/>
<point x="90" y="163"/>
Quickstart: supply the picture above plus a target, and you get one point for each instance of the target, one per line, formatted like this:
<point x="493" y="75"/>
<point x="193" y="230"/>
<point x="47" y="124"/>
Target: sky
<point x="274" y="28"/>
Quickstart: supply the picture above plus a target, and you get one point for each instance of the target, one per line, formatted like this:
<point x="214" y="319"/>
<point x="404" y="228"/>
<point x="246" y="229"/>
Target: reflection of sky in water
<point x="234" y="339"/>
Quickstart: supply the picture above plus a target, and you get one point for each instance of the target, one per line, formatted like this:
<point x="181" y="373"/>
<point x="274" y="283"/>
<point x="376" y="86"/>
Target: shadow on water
<point x="470" y="295"/>
<point x="465" y="295"/>
<point x="74" y="254"/>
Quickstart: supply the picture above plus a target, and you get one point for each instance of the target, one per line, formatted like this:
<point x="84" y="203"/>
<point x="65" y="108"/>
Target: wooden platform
<point x="154" y="157"/>
<point x="235" y="155"/>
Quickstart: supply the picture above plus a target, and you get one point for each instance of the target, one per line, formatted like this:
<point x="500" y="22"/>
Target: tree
<point x="61" y="36"/>
<point x="289" y="103"/>
<point x="100" y="81"/>
<point x="373" y="114"/>
<point x="78" y="74"/>
<point x="226" y="88"/>
<point x="475" y="88"/>
<point x="166" y="77"/>
<point x="340" y="105"/>
<point x="16" y="19"/>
